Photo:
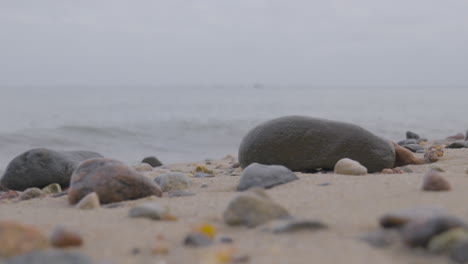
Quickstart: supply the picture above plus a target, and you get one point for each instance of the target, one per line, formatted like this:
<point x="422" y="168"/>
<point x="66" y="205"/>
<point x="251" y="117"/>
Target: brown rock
<point x="431" y="156"/>
<point x="458" y="136"/>
<point x="17" y="238"/>
<point x="61" y="237"/>
<point x="404" y="156"/>
<point x="434" y="181"/>
<point x="112" y="180"/>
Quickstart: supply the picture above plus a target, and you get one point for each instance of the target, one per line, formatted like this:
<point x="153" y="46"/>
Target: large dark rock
<point x="41" y="167"/>
<point x="111" y="180"/>
<point x="307" y="144"/>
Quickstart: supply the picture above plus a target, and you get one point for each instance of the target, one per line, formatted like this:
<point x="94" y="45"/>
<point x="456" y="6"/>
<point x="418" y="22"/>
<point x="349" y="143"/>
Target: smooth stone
<point x="50" y="257"/>
<point x="324" y="184"/>
<point x="31" y="193"/>
<point x="265" y="176"/>
<point x="458" y="144"/>
<point x="419" y="233"/>
<point x="90" y="201"/>
<point x="434" y="181"/>
<point x="173" y="181"/>
<point x="252" y="208"/>
<point x="202" y="175"/>
<point x="112" y="180"/>
<point x="180" y="193"/>
<point x="459" y="253"/>
<point x="349" y="167"/>
<point x="414" y="147"/>
<point x="381" y="238"/>
<point x="17" y="238"/>
<point x="399" y="218"/>
<point x="143" y="167"/>
<point x="153" y="161"/>
<point x="52" y="189"/>
<point x="387" y="171"/>
<point x="295" y="225"/>
<point x="198" y="240"/>
<point x="447" y="240"/>
<point x="307" y="144"/>
<point x="150" y="210"/>
<point x="41" y="167"/>
<point x="411" y="135"/>
<point x="62" y="237"/>
<point x="407" y="142"/>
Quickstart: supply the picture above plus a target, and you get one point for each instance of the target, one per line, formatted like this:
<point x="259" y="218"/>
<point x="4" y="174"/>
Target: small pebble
<point x="61" y="238"/>
<point x="150" y="210"/>
<point x="90" y="201"/>
<point x="204" y="185"/>
<point x="143" y="167"/>
<point x="180" y="193"/>
<point x="226" y="240"/>
<point x="153" y="161"/>
<point x="434" y="181"/>
<point x="31" y="193"/>
<point x="202" y="175"/>
<point x="349" y="167"/>
<point x="324" y="184"/>
<point x="173" y="181"/>
<point x="135" y="251"/>
<point x="53" y="188"/>
<point x="294" y="225"/>
<point x="197" y="240"/>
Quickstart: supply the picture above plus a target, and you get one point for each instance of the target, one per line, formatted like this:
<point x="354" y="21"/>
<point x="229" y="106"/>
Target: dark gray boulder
<point x="41" y="167"/>
<point x="307" y="144"/>
<point x="265" y="176"/>
<point x="153" y="161"/>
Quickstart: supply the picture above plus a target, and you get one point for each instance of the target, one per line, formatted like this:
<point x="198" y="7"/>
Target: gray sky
<point x="206" y="42"/>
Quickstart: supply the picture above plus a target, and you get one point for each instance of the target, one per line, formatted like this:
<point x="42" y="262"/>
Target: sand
<point x="350" y="205"/>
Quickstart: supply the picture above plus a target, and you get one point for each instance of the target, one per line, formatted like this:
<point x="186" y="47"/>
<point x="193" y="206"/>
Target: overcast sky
<point x="208" y="42"/>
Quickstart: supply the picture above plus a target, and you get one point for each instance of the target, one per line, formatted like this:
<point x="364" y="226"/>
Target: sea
<point x="194" y="123"/>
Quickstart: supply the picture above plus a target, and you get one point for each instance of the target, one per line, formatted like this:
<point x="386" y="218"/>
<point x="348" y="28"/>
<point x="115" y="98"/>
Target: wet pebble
<point x="62" y="237"/>
<point x="173" y="181"/>
<point x="387" y="171"/>
<point x="31" y="193"/>
<point x="265" y="176"/>
<point x="434" y="181"/>
<point x="90" y="201"/>
<point x="252" y="208"/>
<point x="295" y="225"/>
<point x="349" y="167"/>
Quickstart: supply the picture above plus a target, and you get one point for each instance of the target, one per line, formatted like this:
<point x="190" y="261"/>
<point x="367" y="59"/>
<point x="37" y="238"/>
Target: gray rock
<point x="173" y="181"/>
<point x="252" y="208"/>
<point x="197" y="240"/>
<point x="153" y="161"/>
<point x="459" y="253"/>
<point x="411" y="135"/>
<point x="266" y="176"/>
<point x="381" y="238"/>
<point x="408" y="142"/>
<point x="41" y="167"/>
<point x="150" y="210"/>
<point x="295" y="225"/>
<point x="419" y="233"/>
<point x="307" y="144"/>
<point x="458" y="144"/>
<point x="31" y="193"/>
<point x="414" y="147"/>
<point x="50" y="257"/>
<point x="401" y="217"/>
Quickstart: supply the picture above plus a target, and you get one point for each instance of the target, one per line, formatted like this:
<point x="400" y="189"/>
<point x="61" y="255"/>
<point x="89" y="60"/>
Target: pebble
<point x="180" y="193"/>
<point x="399" y="218"/>
<point x="173" y="181"/>
<point x="381" y="238"/>
<point x="153" y="161"/>
<point x="459" y="253"/>
<point x="143" y="167"/>
<point x="31" y="193"/>
<point x="431" y="156"/>
<point x="412" y="135"/>
<point x="112" y="180"/>
<point x="90" y="201"/>
<point x="296" y="225"/>
<point x="387" y="171"/>
<point x="202" y="169"/>
<point x="61" y="237"/>
<point x="324" y="184"/>
<point x="9" y="195"/>
<point x="51" y="257"/>
<point x="434" y="181"/>
<point x="252" y="208"/>
<point x="414" y="147"/>
<point x="196" y="239"/>
<point x="204" y="185"/>
<point x="266" y="176"/>
<point x="226" y="240"/>
<point x="349" y="167"/>
<point x="447" y="240"/>
<point x="419" y="233"/>
<point x="458" y="136"/>
<point x="17" y="238"/>
<point x="458" y="144"/>
<point x="202" y="175"/>
<point x="150" y="210"/>
<point x="52" y="189"/>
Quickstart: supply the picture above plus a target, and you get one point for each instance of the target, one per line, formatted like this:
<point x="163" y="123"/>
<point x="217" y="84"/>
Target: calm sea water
<point x="179" y="124"/>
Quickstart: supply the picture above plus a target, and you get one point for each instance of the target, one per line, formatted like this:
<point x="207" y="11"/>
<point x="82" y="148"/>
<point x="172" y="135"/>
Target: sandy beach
<point x="349" y="205"/>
